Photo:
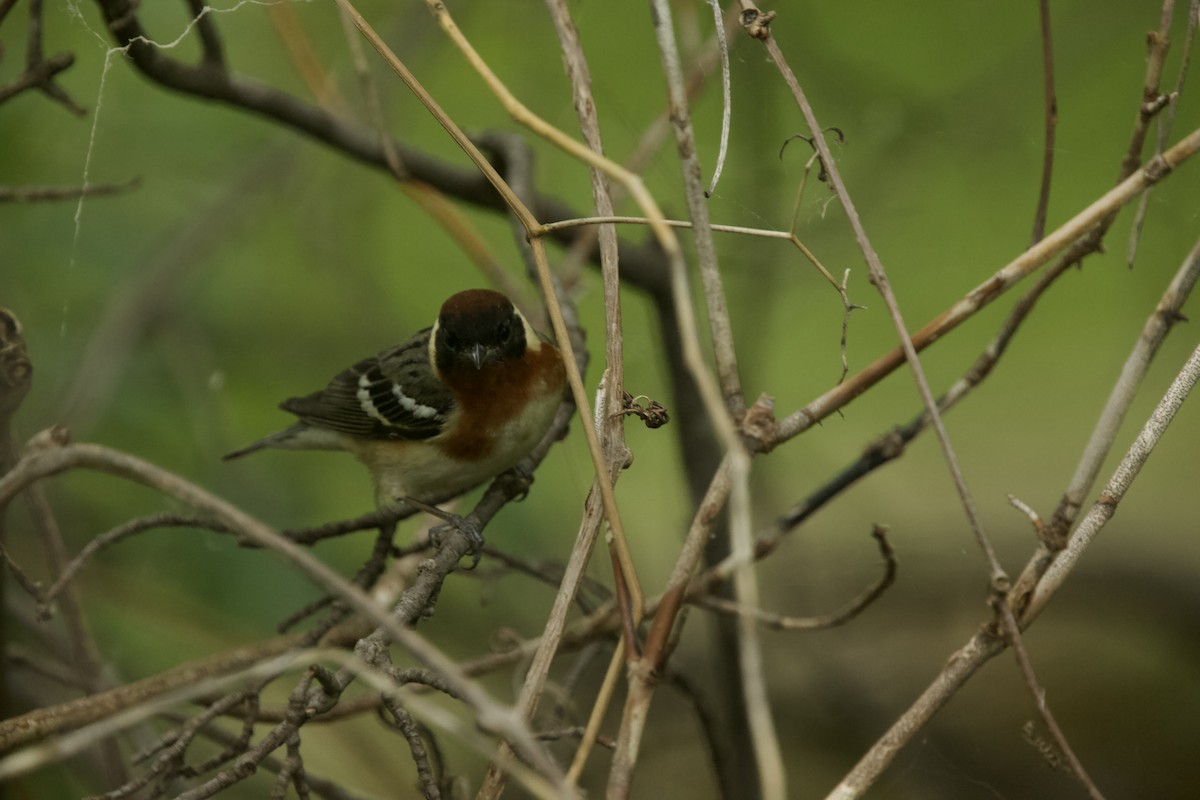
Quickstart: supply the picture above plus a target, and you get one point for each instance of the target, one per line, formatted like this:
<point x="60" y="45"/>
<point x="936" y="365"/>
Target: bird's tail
<point x="283" y="439"/>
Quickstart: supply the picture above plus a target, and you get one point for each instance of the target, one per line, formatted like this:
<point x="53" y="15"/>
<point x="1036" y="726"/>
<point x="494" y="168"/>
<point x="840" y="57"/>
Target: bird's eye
<point x="451" y="340"/>
<point x="505" y="330"/>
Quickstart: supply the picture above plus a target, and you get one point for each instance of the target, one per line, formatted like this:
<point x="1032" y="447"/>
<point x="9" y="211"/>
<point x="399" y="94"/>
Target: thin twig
<point x="1009" y="621"/>
<point x="654" y="654"/>
<point x="706" y="253"/>
<point x="1114" y="491"/>
<point x="531" y="225"/>
<point x="1043" y="204"/>
<point x="985" y="644"/>
<point x="1166" y="313"/>
<point x="983" y="294"/>
<point x="38" y="194"/>
<point x="782" y="622"/>
<point x="30" y="586"/>
<point x="880" y="279"/>
<point x="611" y="433"/>
<point x="490" y="714"/>
<point x="120" y="533"/>
<point x="1167" y="118"/>
<point x="726" y="95"/>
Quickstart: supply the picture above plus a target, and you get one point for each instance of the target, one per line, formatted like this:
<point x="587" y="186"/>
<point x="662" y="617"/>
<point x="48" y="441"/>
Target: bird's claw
<point x="464" y="525"/>
<point x="518" y="480"/>
<point x="453" y="522"/>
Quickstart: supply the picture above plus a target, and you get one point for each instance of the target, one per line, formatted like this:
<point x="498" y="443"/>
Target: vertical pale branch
<point x="611" y="426"/>
<point x="706" y="252"/>
<point x="610" y="402"/>
<point x="539" y="253"/>
<point x="765" y="742"/>
<point x="758" y="25"/>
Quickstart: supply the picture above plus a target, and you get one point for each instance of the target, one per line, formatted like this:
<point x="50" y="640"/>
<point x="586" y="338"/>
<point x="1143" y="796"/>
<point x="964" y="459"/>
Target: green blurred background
<point x="251" y="264"/>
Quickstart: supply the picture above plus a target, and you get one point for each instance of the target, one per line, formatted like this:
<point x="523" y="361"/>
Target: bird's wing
<point x="392" y="395"/>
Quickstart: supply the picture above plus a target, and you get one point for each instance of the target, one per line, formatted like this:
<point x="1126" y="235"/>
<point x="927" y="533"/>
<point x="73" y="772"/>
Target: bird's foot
<point x="467" y="526"/>
<point x="518" y="480"/>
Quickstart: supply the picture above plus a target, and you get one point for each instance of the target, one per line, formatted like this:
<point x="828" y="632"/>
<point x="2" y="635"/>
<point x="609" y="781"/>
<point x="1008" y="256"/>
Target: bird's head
<point x="478" y="328"/>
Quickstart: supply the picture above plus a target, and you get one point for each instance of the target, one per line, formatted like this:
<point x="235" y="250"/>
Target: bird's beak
<point x="478" y="353"/>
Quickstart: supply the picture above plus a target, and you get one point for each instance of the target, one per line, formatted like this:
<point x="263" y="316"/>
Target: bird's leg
<point x="467" y="526"/>
<point x="518" y="480"/>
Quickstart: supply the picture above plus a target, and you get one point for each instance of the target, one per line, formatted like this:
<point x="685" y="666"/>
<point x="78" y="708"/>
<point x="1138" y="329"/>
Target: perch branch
<point x="45" y="462"/>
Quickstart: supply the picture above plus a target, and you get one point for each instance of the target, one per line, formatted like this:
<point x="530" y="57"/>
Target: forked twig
<point x="1051" y="245"/>
<point x="782" y="622"/>
<point x="986" y="643"/>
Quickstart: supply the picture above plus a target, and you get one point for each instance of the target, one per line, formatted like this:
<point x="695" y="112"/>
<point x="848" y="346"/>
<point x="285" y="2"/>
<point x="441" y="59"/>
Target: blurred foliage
<point x="251" y="265"/>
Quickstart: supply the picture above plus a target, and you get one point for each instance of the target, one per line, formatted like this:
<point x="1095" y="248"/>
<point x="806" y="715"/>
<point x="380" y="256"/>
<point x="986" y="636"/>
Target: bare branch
<point x="983" y="294"/>
<point x="1165" y="315"/>
<point x="1004" y="611"/>
<point x="42" y="463"/>
<point x="1114" y="491"/>
<point x="986" y="643"/>
<point x="726" y="95"/>
<point x="1167" y="118"/>
<point x="781" y="622"/>
<point x="706" y="254"/>
<point x="880" y="279"/>
<point x="1043" y="204"/>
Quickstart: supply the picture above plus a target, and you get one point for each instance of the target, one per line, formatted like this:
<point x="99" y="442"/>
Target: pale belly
<point x="419" y="470"/>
